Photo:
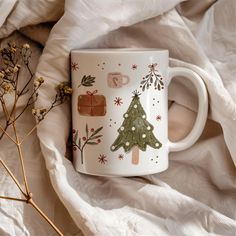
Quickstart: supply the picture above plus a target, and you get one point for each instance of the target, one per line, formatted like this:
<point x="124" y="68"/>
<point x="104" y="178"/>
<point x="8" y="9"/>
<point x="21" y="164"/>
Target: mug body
<point x="119" y="111"/>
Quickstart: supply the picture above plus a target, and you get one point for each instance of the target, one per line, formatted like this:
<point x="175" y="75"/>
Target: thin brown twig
<point x="4" y="129"/>
<point x="8" y="135"/>
<point x="30" y="201"/>
<point x="8" y="116"/>
<point x="27" y="83"/>
<point x="8" y="119"/>
<point x="11" y="118"/>
<point x="28" y="134"/>
<point x="4" y="108"/>
<point x="29" y="102"/>
<point x="21" y="158"/>
<point x="13" y="177"/>
<point x="16" y="98"/>
<point x="13" y="198"/>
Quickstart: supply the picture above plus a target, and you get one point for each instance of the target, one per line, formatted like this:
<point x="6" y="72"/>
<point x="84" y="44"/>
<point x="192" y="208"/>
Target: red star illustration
<point x="118" y="101"/>
<point x="158" y="117"/>
<point x="74" y="66"/>
<point x="134" y="67"/>
<point x="102" y="159"/>
<point x="121" y="156"/>
<point x="153" y="67"/>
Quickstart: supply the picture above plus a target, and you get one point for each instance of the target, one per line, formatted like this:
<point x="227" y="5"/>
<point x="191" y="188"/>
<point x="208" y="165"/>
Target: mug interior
<point x="120" y="50"/>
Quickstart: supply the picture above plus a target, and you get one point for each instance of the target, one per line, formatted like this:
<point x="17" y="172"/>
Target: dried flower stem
<point x="4" y="107"/>
<point x="5" y="132"/>
<point x="9" y="76"/>
<point x="31" y="202"/>
<point x="28" y="134"/>
<point x="13" y="177"/>
<point x="7" y="115"/>
<point x="13" y="198"/>
<point x="27" y="195"/>
<point x="21" y="157"/>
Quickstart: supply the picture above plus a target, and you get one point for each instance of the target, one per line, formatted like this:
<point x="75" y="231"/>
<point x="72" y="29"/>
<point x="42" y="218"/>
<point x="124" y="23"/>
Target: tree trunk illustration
<point x="135" y="155"/>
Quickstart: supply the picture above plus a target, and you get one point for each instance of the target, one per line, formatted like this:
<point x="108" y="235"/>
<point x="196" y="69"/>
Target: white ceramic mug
<point x="123" y="131"/>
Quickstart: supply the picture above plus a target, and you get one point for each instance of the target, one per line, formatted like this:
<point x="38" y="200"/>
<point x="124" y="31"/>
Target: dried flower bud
<point x="15" y="69"/>
<point x="67" y="90"/>
<point x="6" y="62"/>
<point x="26" y="46"/>
<point x="42" y="111"/>
<point x="34" y="111"/>
<point x="2" y="74"/>
<point x="38" y="81"/>
<point x="7" y="87"/>
<point x="63" y="92"/>
<point x="12" y="49"/>
<point x="61" y="86"/>
<point x="39" y="113"/>
<point x="7" y="71"/>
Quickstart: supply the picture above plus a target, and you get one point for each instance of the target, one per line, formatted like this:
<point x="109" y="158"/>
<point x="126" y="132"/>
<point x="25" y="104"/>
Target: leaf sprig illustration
<point x="87" y="81"/>
<point x="152" y="77"/>
<point x="92" y="138"/>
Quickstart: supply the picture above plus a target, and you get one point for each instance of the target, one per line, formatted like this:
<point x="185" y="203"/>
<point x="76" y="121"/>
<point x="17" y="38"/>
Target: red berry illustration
<point x="73" y="131"/>
<point x="158" y="117"/>
<point x="99" y="140"/>
<point x="84" y="138"/>
<point x="74" y="148"/>
<point x="92" y="129"/>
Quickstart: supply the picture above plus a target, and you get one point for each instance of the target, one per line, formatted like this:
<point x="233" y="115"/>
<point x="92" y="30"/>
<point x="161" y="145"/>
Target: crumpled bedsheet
<point x="197" y="194"/>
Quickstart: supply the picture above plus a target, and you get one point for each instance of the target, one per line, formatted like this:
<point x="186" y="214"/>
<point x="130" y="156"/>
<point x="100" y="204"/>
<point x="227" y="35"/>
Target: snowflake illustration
<point x="102" y="159"/>
<point x="134" y="67"/>
<point x="158" y="117"/>
<point x="118" y="101"/>
<point x="121" y="156"/>
<point x="74" y="66"/>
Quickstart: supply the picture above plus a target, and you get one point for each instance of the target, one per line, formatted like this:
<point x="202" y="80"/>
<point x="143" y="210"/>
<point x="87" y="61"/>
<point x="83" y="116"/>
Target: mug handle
<point x="198" y="127"/>
<point x="127" y="79"/>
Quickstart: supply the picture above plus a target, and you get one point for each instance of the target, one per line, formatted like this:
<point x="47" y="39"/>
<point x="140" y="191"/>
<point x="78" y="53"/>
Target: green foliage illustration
<point x="87" y="81"/>
<point x="153" y="77"/>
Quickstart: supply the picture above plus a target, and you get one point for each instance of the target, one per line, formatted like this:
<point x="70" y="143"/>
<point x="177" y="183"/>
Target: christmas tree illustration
<point x="135" y="132"/>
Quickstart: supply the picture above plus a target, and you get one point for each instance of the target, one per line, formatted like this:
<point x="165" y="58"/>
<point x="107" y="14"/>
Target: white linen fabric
<point x="197" y="194"/>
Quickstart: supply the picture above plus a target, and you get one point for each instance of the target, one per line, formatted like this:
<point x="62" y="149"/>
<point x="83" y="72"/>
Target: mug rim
<point x="119" y="50"/>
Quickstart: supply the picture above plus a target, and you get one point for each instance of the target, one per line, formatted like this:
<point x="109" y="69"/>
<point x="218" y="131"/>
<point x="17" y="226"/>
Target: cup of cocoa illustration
<point x="117" y="79"/>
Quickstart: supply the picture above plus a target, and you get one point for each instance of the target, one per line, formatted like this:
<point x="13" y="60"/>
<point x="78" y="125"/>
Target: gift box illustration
<point x="92" y="104"/>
